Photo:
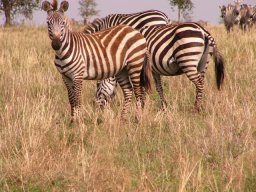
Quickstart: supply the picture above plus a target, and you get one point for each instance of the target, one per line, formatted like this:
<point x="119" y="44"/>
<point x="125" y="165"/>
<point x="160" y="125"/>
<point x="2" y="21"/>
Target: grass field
<point x="173" y="151"/>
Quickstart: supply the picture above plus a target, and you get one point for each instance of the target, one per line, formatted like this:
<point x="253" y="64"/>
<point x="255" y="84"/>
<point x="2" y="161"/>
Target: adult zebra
<point x="119" y="51"/>
<point x="231" y="15"/>
<point x="246" y="13"/>
<point x="135" y="20"/>
<point x="180" y="49"/>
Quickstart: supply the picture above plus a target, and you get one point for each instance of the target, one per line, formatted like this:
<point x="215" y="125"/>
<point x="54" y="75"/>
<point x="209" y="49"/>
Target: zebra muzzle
<point x="56" y="44"/>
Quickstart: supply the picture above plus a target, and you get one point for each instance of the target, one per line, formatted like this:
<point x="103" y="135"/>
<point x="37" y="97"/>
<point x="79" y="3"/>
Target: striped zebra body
<point x="118" y="51"/>
<point x="135" y="20"/>
<point x="182" y="49"/>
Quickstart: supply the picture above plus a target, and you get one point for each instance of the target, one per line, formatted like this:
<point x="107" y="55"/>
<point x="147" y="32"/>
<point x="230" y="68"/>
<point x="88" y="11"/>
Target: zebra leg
<point x="126" y="87"/>
<point x="74" y="88"/>
<point x="143" y="97"/>
<point x="198" y="81"/>
<point x="139" y="93"/>
<point x="159" y="89"/>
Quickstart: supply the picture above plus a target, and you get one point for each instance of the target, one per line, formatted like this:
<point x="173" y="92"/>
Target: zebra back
<point x="135" y="20"/>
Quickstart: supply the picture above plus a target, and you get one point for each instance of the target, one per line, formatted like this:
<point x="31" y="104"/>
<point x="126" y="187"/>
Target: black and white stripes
<point x="118" y="51"/>
<point x="182" y="49"/>
<point x="135" y="20"/>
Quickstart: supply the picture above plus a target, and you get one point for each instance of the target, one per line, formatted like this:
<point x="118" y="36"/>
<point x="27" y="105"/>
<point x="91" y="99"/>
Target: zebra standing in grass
<point x="246" y="13"/>
<point x="135" y="20"/>
<point x="230" y="15"/>
<point x="119" y="51"/>
<point x="182" y="49"/>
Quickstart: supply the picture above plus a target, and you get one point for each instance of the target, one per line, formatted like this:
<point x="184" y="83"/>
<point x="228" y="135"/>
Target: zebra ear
<point x="63" y="6"/>
<point x="46" y="6"/>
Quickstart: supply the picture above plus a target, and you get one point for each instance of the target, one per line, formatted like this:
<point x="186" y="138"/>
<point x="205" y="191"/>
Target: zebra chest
<point x="71" y="66"/>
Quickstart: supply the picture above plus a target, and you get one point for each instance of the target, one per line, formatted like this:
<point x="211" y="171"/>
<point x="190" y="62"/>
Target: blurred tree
<point x="184" y="8"/>
<point x="11" y="8"/>
<point x="88" y="9"/>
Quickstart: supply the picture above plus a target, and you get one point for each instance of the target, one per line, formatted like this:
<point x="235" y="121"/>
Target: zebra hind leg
<point x="159" y="89"/>
<point x="126" y="87"/>
<point x="198" y="81"/>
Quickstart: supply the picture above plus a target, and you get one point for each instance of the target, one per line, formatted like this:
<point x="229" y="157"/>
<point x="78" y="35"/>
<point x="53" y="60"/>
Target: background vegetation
<point x="173" y="151"/>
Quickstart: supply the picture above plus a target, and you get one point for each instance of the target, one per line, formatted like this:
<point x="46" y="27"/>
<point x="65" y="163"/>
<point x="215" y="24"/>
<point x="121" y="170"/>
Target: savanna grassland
<point x="177" y="150"/>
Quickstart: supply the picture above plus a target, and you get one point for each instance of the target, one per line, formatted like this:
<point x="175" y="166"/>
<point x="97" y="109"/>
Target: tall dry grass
<point x="173" y="151"/>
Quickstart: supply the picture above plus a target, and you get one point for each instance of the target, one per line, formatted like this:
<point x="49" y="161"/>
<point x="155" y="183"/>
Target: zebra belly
<point x="167" y="68"/>
<point x="102" y="72"/>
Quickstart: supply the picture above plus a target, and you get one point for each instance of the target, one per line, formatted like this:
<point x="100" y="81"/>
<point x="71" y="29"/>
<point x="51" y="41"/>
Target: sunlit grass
<point x="172" y="151"/>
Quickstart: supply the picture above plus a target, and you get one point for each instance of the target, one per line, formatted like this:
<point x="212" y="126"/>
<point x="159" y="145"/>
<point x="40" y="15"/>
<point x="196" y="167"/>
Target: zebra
<point x="119" y="51"/>
<point x="230" y="15"/>
<point x="246" y="13"/>
<point x="181" y="49"/>
<point x="106" y="90"/>
<point x="135" y="20"/>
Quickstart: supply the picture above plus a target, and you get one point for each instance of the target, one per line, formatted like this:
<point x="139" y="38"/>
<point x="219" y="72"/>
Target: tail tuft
<point x="219" y="67"/>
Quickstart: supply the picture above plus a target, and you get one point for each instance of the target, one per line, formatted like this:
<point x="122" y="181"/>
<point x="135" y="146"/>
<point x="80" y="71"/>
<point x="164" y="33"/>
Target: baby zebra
<point x="119" y="51"/>
<point x="180" y="49"/>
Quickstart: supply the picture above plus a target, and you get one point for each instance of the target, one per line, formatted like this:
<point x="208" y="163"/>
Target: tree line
<point x="88" y="8"/>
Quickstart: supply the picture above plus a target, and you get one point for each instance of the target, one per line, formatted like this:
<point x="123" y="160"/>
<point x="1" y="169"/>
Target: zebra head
<point x="231" y="13"/>
<point x="249" y="12"/>
<point x="223" y="10"/>
<point x="56" y="21"/>
<point x="106" y="90"/>
<point x="236" y="11"/>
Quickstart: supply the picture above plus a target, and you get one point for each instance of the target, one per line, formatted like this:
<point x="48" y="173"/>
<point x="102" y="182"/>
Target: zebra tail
<point x="146" y="73"/>
<point x="219" y="67"/>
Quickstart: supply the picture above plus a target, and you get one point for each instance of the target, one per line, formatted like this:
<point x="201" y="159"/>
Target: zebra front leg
<point x="74" y="95"/>
<point x="159" y="89"/>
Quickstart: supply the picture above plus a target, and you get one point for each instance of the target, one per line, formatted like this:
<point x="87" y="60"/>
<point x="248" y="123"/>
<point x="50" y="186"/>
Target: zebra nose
<point x="56" y="35"/>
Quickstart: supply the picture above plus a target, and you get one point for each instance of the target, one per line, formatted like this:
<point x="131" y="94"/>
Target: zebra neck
<point x="65" y="43"/>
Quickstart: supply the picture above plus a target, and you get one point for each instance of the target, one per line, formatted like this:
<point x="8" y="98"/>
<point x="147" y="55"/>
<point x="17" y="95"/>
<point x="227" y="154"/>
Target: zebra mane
<point x="54" y="5"/>
<point x="68" y="23"/>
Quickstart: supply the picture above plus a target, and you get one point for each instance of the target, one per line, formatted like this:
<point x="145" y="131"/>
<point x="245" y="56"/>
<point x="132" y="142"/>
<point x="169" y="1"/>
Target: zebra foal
<point x="119" y="51"/>
<point x="181" y="49"/>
